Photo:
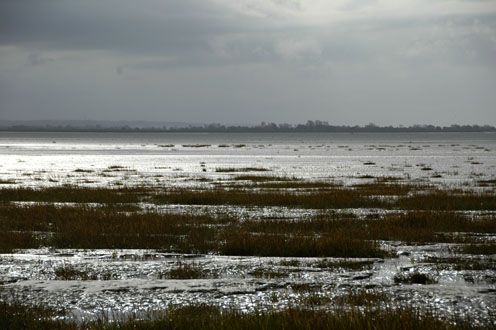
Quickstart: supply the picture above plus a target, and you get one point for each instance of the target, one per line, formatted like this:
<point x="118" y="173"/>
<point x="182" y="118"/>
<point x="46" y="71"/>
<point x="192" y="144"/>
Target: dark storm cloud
<point x="248" y="60"/>
<point x="111" y="25"/>
<point x="196" y="32"/>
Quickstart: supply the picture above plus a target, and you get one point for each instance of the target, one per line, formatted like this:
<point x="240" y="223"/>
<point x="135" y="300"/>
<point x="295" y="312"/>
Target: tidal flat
<point x="289" y="230"/>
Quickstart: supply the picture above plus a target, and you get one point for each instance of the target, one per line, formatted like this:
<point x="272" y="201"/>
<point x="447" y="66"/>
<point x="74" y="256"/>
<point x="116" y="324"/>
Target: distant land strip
<point x="264" y="127"/>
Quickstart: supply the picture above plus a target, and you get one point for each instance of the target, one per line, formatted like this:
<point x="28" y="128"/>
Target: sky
<point x="389" y="62"/>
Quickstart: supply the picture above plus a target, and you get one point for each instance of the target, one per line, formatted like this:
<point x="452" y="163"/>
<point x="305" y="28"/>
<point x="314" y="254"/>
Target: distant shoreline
<point x="257" y="129"/>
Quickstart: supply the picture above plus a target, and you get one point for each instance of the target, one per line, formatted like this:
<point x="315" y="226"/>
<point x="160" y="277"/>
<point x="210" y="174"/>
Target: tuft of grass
<point x="414" y="277"/>
<point x="480" y="249"/>
<point x="240" y="169"/>
<point x="268" y="273"/>
<point x="196" y="145"/>
<point x="71" y="273"/>
<point x="260" y="178"/>
<point x="185" y="271"/>
<point x="305" y="287"/>
<point x="290" y="263"/>
<point x="487" y="183"/>
<point x="462" y="263"/>
<point x="344" y="264"/>
<point x="80" y="170"/>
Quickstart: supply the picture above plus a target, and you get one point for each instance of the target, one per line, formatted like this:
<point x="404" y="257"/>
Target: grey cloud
<point x="108" y="25"/>
<point x="193" y="32"/>
<point x="204" y="60"/>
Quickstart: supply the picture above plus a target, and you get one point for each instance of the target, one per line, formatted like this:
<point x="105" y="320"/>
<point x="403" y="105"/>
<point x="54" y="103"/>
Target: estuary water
<point x="44" y="159"/>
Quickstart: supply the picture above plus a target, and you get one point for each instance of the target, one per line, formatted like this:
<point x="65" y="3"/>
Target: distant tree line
<point x="309" y="126"/>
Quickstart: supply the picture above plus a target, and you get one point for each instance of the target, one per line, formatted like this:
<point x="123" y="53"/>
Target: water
<point x="43" y="159"/>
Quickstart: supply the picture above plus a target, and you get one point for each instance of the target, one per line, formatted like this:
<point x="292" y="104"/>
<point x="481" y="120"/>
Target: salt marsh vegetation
<point x="314" y="242"/>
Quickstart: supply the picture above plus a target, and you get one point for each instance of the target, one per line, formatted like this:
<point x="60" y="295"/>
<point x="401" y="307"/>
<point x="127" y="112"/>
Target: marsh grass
<point x="385" y="188"/>
<point x="15" y="315"/>
<point x="186" y="271"/>
<point x="71" y="273"/>
<point x="361" y="297"/>
<point x="84" y="227"/>
<point x="196" y="145"/>
<point x="326" y="235"/>
<point x="327" y="244"/>
<point x="73" y="194"/>
<point x="268" y="273"/>
<point x="348" y="264"/>
<point x="281" y="182"/>
<point x="263" y="178"/>
<point x="459" y="263"/>
<point x="323" y="195"/>
<point x="81" y="170"/>
<point x="305" y="287"/>
<point x="480" y="249"/>
<point x="18" y="316"/>
<point x="336" y="198"/>
<point x="414" y="277"/>
<point x="449" y="200"/>
<point x="361" y="196"/>
<point x="13" y="240"/>
<point x="290" y="263"/>
<point x="240" y="169"/>
<point x="487" y="183"/>
<point x="297" y="185"/>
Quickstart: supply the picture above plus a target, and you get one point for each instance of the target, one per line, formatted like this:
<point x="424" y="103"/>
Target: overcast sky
<point x="246" y="61"/>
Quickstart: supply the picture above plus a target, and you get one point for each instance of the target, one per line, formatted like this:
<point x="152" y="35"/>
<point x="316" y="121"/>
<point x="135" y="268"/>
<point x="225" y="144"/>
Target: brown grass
<point x="73" y="194"/>
<point x="449" y="200"/>
<point x="414" y="278"/>
<point x="328" y="235"/>
<point x="336" y="198"/>
<point x="84" y="227"/>
<point x="323" y="195"/>
<point x="459" y="262"/>
<point x="13" y="240"/>
<point x="361" y="297"/>
<point x="240" y="169"/>
<point x="480" y="249"/>
<point x="343" y="264"/>
<point x="71" y="273"/>
<point x="186" y="271"/>
<point x="17" y="316"/>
